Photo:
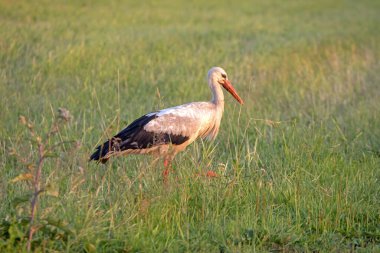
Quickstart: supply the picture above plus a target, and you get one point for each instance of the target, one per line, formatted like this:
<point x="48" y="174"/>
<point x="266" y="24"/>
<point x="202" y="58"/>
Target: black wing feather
<point x="135" y="137"/>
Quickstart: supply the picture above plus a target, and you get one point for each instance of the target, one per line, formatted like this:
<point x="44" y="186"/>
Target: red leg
<point x="166" y="172"/>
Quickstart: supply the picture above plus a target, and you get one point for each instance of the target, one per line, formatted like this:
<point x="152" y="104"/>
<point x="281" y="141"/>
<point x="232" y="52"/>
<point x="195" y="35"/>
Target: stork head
<point x="217" y="75"/>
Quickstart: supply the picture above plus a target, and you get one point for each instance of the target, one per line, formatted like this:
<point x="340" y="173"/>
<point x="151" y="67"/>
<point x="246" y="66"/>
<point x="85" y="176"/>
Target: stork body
<point x="166" y="132"/>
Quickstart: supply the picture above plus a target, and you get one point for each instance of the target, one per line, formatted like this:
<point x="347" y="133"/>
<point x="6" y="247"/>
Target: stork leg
<point x="166" y="172"/>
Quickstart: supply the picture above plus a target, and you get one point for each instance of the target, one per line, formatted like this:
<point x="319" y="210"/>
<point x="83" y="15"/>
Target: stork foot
<point x="208" y="174"/>
<point x="211" y="174"/>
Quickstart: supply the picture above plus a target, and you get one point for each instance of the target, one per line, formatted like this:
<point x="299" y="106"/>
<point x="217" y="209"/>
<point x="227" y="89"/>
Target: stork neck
<point x="217" y="94"/>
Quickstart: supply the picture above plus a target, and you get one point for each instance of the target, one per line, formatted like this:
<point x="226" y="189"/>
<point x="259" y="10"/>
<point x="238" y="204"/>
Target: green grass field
<point x="298" y="163"/>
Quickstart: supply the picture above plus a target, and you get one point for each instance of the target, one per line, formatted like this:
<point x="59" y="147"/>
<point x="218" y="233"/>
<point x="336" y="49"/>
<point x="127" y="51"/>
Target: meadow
<point x="298" y="164"/>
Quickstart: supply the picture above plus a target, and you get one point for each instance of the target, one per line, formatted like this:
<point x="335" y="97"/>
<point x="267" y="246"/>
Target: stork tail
<point x="100" y="153"/>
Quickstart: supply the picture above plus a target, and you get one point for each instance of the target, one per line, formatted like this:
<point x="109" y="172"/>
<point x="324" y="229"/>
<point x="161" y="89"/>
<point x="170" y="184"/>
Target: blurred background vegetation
<point x="298" y="163"/>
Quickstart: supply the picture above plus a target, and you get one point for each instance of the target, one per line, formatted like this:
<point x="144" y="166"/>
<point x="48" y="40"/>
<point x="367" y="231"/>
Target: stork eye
<point x="224" y="75"/>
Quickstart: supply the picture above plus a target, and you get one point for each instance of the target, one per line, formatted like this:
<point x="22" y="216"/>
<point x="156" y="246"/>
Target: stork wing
<point x="173" y="125"/>
<point x="184" y="120"/>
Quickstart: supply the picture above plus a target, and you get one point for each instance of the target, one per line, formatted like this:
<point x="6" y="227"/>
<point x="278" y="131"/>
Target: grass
<point x="299" y="162"/>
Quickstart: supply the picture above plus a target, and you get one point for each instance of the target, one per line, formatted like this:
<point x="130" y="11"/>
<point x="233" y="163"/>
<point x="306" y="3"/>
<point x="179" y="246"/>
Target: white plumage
<point x="186" y="120"/>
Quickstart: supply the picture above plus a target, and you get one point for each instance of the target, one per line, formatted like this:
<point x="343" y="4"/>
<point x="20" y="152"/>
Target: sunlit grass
<point x="298" y="163"/>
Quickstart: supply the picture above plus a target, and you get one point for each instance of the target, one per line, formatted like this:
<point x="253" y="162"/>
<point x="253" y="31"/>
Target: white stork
<point x="169" y="131"/>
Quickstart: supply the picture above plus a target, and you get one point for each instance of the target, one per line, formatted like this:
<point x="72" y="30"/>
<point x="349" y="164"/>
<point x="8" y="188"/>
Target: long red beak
<point x="228" y="86"/>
